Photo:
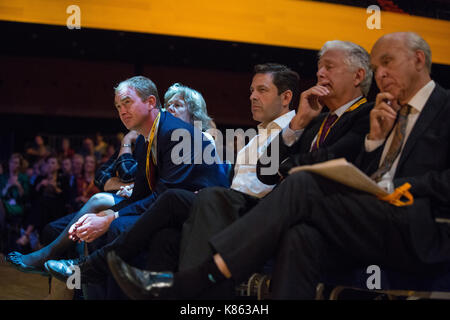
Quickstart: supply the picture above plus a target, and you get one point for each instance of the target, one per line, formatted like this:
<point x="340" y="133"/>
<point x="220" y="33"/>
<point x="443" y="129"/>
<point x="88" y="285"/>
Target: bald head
<point x="401" y="63"/>
<point x="412" y="41"/>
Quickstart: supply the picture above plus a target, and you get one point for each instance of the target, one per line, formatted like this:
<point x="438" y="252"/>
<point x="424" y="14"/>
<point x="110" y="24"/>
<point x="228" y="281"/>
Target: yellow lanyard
<point x="353" y="107"/>
<point x="149" y="148"/>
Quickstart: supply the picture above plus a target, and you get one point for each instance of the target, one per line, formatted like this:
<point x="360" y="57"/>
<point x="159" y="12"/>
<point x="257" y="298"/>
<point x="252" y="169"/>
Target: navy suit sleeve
<point x="176" y="174"/>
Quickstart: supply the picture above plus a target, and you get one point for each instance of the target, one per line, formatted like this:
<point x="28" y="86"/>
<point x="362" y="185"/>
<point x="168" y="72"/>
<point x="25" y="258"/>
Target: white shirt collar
<point x="278" y="123"/>
<point x="421" y="97"/>
<point x="341" y="110"/>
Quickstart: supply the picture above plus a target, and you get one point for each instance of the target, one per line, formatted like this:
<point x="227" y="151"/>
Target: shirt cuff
<point x="291" y="136"/>
<point x="116" y="215"/>
<point x="372" y="145"/>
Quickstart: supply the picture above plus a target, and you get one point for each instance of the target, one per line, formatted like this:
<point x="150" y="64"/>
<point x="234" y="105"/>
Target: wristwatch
<point x="126" y="145"/>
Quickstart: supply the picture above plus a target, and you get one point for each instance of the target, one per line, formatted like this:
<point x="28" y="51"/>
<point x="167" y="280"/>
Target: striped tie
<point x="396" y="145"/>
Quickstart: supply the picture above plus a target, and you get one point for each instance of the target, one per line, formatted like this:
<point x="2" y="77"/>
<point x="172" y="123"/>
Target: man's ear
<point x="419" y="60"/>
<point x="152" y="102"/>
<point x="359" y="76"/>
<point x="286" y="97"/>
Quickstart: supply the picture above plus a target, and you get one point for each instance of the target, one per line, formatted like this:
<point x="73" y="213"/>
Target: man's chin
<point x="129" y="126"/>
<point x="257" y="117"/>
<point x="395" y="93"/>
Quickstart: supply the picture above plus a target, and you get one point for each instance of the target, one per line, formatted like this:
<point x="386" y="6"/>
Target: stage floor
<point x="16" y="285"/>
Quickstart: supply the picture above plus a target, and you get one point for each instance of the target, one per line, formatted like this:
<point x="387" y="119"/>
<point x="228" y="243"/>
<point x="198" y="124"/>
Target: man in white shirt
<point x="315" y="226"/>
<point x="271" y="95"/>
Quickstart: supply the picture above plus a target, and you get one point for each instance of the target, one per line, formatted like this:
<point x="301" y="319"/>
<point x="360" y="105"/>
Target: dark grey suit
<point x="314" y="225"/>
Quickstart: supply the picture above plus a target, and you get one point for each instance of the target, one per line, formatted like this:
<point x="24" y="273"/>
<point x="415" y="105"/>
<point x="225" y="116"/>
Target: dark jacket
<point x="425" y="163"/>
<point x="190" y="175"/>
<point x="343" y="141"/>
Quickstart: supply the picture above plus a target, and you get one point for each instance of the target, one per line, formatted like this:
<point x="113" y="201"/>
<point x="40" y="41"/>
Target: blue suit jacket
<point x="192" y="174"/>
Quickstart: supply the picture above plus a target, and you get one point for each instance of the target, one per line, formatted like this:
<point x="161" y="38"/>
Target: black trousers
<point x="164" y="250"/>
<point x="170" y="210"/>
<point x="212" y="211"/>
<point x="312" y="225"/>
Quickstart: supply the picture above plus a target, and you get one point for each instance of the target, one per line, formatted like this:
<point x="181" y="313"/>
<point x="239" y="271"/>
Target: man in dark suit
<point x="156" y="172"/>
<point x="312" y="136"/>
<point x="137" y="102"/>
<point x="173" y="207"/>
<point x="324" y="225"/>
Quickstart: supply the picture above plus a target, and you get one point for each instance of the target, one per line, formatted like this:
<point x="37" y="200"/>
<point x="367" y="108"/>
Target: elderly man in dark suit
<point x="314" y="225"/>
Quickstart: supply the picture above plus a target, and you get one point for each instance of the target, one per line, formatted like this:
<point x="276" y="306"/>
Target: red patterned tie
<point x="331" y="119"/>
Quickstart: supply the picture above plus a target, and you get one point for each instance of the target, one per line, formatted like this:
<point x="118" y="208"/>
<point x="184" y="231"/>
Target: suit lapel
<point x="431" y="109"/>
<point x="336" y="129"/>
<point x="159" y="136"/>
<point x="312" y="131"/>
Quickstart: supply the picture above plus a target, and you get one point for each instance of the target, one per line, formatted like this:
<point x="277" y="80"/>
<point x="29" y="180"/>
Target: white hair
<point x="357" y="57"/>
<point x="416" y="42"/>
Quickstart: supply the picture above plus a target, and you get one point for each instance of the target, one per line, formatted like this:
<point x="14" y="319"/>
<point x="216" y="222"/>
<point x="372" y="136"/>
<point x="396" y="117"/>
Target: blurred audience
<point x="110" y="151"/>
<point x="100" y="147"/>
<point x="86" y="187"/>
<point x="14" y="193"/>
<point x="14" y="186"/>
<point x="87" y="148"/>
<point x="52" y="195"/>
<point x="66" y="166"/>
<point x="37" y="150"/>
<point x="77" y="167"/>
<point x="39" y="186"/>
<point x="65" y="151"/>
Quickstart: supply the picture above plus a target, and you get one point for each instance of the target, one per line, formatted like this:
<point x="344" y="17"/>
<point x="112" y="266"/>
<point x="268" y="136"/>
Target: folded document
<point x="344" y="172"/>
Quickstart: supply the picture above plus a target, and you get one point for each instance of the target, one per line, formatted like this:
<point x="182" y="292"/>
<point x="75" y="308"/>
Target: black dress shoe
<point x="140" y="284"/>
<point x="15" y="259"/>
<point x="63" y="269"/>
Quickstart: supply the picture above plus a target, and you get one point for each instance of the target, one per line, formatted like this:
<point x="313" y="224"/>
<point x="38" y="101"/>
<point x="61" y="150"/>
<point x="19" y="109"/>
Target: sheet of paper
<point x="344" y="172"/>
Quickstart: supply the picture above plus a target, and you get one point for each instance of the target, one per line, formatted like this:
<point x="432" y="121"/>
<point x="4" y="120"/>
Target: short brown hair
<point x="283" y="78"/>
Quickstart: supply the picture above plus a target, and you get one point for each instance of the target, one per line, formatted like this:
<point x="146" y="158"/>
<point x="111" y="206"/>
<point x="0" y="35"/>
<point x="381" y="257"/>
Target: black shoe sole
<point x="129" y="288"/>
